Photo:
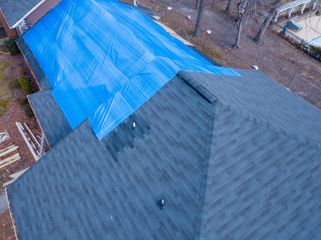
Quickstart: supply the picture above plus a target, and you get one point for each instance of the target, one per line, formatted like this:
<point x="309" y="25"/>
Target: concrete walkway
<point x="3" y="202"/>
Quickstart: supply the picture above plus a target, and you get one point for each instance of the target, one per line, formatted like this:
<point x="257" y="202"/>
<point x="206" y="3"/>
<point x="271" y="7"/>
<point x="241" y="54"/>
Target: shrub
<point x="28" y="110"/>
<point x="14" y="84"/>
<point x="25" y="85"/>
<point x="315" y="51"/>
<point x="3" y="106"/>
<point x="26" y="107"/>
<point x="11" y="46"/>
<point x="211" y="52"/>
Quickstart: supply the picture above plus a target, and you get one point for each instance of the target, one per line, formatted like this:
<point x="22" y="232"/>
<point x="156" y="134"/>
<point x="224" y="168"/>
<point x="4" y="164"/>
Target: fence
<point x="306" y="47"/>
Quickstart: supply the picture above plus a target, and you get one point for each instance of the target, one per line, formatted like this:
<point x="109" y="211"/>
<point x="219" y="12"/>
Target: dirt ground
<point x="13" y="67"/>
<point x="7" y="232"/>
<point x="276" y="57"/>
<point x="15" y="112"/>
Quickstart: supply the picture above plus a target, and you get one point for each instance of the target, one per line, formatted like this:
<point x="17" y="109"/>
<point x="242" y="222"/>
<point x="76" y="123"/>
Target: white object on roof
<point x="23" y="27"/>
<point x="256" y="67"/>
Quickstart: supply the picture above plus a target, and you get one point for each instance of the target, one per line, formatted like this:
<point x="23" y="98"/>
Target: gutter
<point x="27" y="14"/>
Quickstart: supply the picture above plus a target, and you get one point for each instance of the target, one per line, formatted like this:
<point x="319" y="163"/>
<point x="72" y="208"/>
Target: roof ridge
<point x="204" y="178"/>
<point x="198" y="87"/>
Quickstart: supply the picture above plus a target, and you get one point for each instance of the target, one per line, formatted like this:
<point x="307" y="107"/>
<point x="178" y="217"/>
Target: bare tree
<point x="240" y="18"/>
<point x="248" y="9"/>
<point x="267" y="21"/>
<point x="229" y="7"/>
<point x="199" y="17"/>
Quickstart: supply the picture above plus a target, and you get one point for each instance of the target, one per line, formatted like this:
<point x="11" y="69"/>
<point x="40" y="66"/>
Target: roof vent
<point x="134" y="125"/>
<point x="161" y="204"/>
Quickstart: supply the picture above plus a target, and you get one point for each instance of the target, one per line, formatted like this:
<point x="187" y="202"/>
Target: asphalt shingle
<point x="15" y="10"/>
<point x="233" y="158"/>
<point x="110" y="189"/>
<point x="51" y="118"/>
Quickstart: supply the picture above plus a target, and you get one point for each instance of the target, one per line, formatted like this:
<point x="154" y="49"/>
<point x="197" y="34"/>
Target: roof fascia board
<point x="5" y="18"/>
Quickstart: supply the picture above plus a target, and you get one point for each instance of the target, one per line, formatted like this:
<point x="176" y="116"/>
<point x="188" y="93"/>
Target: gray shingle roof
<point x="130" y="166"/>
<point x="262" y="98"/>
<point x="14" y="10"/>
<point x="229" y="164"/>
<point x="265" y="161"/>
<point x="51" y="118"/>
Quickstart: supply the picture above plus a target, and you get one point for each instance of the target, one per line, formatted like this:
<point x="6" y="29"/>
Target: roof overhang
<point x="27" y="14"/>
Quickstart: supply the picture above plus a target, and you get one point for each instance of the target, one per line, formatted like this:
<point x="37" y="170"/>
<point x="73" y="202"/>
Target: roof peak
<point x="259" y="97"/>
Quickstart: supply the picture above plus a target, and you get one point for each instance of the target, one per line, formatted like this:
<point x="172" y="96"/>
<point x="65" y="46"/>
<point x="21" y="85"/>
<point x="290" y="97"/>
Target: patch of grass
<point x="3" y="106"/>
<point x="211" y="52"/>
<point x="14" y="84"/>
<point x="3" y="68"/>
<point x="189" y="31"/>
<point x="25" y="85"/>
<point x="4" y="91"/>
<point x="11" y="47"/>
<point x="170" y="20"/>
<point x="28" y="110"/>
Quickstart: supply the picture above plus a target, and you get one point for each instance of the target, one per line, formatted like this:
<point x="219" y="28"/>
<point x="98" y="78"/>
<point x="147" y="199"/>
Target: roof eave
<point x="25" y="16"/>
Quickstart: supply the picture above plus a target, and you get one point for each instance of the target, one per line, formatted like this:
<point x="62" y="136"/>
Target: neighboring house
<point x="292" y="7"/>
<point x="17" y="16"/>
<point x="208" y="153"/>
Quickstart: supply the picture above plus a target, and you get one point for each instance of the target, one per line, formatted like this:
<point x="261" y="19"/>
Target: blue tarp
<point x="105" y="59"/>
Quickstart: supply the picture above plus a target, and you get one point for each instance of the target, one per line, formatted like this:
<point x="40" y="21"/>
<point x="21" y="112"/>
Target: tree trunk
<point x="259" y="36"/>
<point x="241" y="12"/>
<point x="238" y="36"/>
<point x="199" y="16"/>
<point x="228" y="7"/>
